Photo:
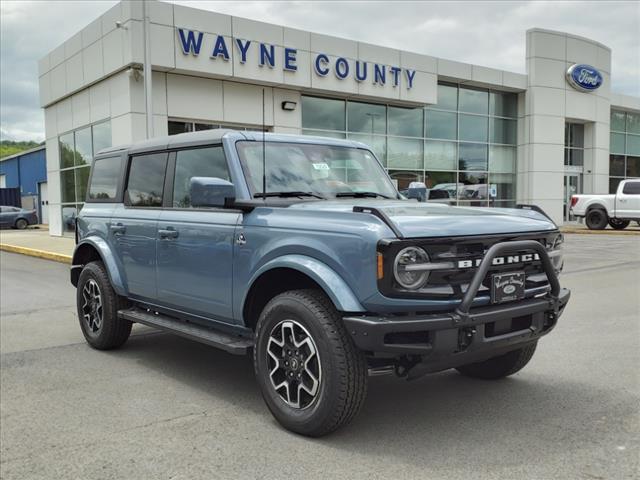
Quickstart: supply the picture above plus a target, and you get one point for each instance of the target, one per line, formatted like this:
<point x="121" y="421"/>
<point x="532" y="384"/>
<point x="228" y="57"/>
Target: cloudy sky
<point x="483" y="33"/>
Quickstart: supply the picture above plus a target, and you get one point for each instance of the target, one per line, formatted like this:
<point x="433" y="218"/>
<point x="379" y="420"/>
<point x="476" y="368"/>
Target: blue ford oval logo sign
<point x="584" y="77"/>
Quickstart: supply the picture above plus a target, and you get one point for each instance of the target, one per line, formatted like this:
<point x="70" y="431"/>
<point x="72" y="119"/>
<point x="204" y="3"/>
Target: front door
<point x="133" y="226"/>
<point x="572" y="186"/>
<point x="44" y="203"/>
<point x="195" y="245"/>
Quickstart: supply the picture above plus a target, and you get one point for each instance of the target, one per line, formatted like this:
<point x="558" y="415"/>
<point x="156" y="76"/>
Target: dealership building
<point x="497" y="137"/>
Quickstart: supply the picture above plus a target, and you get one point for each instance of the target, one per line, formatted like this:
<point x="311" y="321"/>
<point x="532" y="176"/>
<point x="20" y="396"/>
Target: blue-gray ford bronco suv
<point x="300" y="250"/>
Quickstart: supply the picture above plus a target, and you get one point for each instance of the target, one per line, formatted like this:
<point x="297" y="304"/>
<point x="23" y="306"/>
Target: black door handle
<point x="167" y="233"/>
<point x="118" y="229"/>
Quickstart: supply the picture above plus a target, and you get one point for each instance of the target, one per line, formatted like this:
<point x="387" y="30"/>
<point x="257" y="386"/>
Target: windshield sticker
<point x="321" y="166"/>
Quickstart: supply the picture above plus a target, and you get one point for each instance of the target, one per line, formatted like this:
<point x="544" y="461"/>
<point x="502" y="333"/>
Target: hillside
<point x="8" y="147"/>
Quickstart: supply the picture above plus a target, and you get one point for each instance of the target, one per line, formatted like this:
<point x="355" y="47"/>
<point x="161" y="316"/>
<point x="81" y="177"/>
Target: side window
<point x="146" y="179"/>
<point x="631" y="188"/>
<point x="104" y="178"/>
<point x="197" y="162"/>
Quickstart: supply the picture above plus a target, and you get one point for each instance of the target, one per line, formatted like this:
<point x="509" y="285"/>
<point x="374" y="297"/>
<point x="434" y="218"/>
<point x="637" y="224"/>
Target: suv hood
<point x="415" y="220"/>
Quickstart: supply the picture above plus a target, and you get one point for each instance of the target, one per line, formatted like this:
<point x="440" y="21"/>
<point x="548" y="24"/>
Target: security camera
<point x="119" y="24"/>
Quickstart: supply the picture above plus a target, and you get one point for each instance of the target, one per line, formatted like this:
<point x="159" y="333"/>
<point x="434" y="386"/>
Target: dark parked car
<point x="16" y="217"/>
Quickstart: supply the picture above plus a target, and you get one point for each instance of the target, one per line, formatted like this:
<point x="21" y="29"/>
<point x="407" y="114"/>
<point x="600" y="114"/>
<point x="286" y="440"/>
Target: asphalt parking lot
<point x="163" y="407"/>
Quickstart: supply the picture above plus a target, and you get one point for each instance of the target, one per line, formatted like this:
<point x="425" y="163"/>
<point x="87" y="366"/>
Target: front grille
<point x="453" y="283"/>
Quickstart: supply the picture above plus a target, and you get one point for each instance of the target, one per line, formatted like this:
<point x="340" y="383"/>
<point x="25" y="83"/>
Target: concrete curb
<point x="586" y="231"/>
<point x="32" y="252"/>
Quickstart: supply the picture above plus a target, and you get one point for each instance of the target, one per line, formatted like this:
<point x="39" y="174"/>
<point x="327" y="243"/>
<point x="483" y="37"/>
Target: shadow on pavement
<point x="437" y="414"/>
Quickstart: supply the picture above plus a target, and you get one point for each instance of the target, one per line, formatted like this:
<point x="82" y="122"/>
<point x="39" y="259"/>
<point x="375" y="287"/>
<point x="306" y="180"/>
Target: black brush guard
<point x="450" y="339"/>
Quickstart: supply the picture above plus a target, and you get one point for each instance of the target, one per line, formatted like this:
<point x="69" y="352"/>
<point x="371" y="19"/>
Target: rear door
<point x="628" y="200"/>
<point x="133" y="226"/>
<point x="195" y="245"/>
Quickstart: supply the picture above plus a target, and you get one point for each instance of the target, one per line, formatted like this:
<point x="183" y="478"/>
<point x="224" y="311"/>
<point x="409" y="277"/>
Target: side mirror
<point x="211" y="192"/>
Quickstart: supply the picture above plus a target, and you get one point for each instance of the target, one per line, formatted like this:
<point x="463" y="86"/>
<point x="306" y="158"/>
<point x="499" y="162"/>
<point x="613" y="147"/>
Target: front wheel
<point x="596" y="219"/>
<point x="312" y="377"/>
<point x="501" y="366"/>
<point x="618" y="224"/>
<point x="98" y="306"/>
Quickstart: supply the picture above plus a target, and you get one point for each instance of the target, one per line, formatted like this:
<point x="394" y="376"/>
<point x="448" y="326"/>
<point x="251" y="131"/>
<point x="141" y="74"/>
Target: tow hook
<point x="465" y="337"/>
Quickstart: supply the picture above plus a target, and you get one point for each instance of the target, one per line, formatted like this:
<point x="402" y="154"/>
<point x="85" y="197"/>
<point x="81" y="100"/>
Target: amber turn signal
<point x="380" y="267"/>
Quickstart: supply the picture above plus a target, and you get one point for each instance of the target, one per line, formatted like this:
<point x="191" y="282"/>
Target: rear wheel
<point x="98" y="306"/>
<point x="21" y="224"/>
<point x="618" y="224"/>
<point x="596" y="219"/>
<point x="501" y="366"/>
<point x="312" y="377"/>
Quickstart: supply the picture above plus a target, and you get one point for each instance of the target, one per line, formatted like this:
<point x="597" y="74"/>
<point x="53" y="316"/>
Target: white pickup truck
<point x="617" y="209"/>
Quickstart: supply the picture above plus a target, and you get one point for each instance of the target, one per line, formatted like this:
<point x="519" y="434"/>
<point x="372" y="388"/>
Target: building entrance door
<point x="572" y="186"/>
<point x="44" y="204"/>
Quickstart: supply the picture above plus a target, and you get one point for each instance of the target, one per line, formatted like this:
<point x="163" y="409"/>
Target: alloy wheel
<point x="92" y="306"/>
<point x="294" y="364"/>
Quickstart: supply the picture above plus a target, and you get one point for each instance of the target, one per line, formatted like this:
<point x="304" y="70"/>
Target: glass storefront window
<point x="574" y="157"/>
<point x="442" y="125"/>
<point x="68" y="186"/>
<point x="406" y="122"/>
<point x="101" y="136"/>
<point x="402" y="178"/>
<point x="633" y="166"/>
<point x="613" y="184"/>
<point x="322" y="133"/>
<point x="502" y="159"/>
<point x="472" y="156"/>
<point x="67" y="150"/>
<point x="574" y="135"/>
<point x="405" y="153"/>
<point x="366" y="118"/>
<point x="633" y="144"/>
<point x="378" y="144"/>
<point x="618" y="120"/>
<point x="633" y="122"/>
<point x="503" y="104"/>
<point x="447" y="97"/>
<point x="440" y="155"/>
<point x="503" y="131"/>
<point x="617" y="143"/>
<point x="474" y="101"/>
<point x="616" y="165"/>
<point x="323" y="113"/>
<point x="473" y="128"/>
<point x="82" y="179"/>
<point x="443" y="181"/>
<point x="69" y="214"/>
<point x="504" y="183"/>
<point x="84" y="148"/>
<point x="179" y="127"/>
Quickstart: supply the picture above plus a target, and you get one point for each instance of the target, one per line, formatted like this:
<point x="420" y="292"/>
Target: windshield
<point x="319" y="170"/>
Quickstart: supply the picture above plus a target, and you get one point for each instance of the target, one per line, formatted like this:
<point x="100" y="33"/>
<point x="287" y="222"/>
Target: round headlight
<point x="408" y="277"/>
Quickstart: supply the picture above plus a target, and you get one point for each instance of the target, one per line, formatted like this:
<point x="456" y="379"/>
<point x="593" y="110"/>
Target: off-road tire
<point x="114" y="331"/>
<point x="596" y="219"/>
<point x="618" y="224"/>
<point x="21" y="224"/>
<point x="501" y="366"/>
<point x="343" y="381"/>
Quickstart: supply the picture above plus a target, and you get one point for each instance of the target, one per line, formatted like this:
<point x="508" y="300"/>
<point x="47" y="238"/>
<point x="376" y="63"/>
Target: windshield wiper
<point x="288" y="194"/>
<point x="361" y="195"/>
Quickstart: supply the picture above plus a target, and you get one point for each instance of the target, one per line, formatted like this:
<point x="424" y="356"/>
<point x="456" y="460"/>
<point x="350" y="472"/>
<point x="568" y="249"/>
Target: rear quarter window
<point x="631" y="188"/>
<point x="105" y="178"/>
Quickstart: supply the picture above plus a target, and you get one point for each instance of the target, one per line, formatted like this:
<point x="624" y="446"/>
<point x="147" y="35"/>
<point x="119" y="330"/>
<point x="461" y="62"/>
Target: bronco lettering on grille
<point x="508" y="260"/>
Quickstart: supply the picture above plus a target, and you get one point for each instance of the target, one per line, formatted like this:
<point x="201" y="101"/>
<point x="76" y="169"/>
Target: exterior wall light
<point x="289" y="106"/>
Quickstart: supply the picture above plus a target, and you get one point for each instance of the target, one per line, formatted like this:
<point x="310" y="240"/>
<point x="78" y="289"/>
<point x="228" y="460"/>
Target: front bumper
<point x="450" y="339"/>
<point x="440" y="337"/>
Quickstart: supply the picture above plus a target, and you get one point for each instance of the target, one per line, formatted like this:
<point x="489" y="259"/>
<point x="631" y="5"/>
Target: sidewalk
<point x="37" y="243"/>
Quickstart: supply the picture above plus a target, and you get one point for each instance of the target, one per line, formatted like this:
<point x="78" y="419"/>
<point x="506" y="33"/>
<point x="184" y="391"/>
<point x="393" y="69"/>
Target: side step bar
<point x="230" y="343"/>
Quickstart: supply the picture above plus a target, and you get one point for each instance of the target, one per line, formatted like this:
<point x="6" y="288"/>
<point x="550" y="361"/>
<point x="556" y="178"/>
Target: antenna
<point x="264" y="154"/>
